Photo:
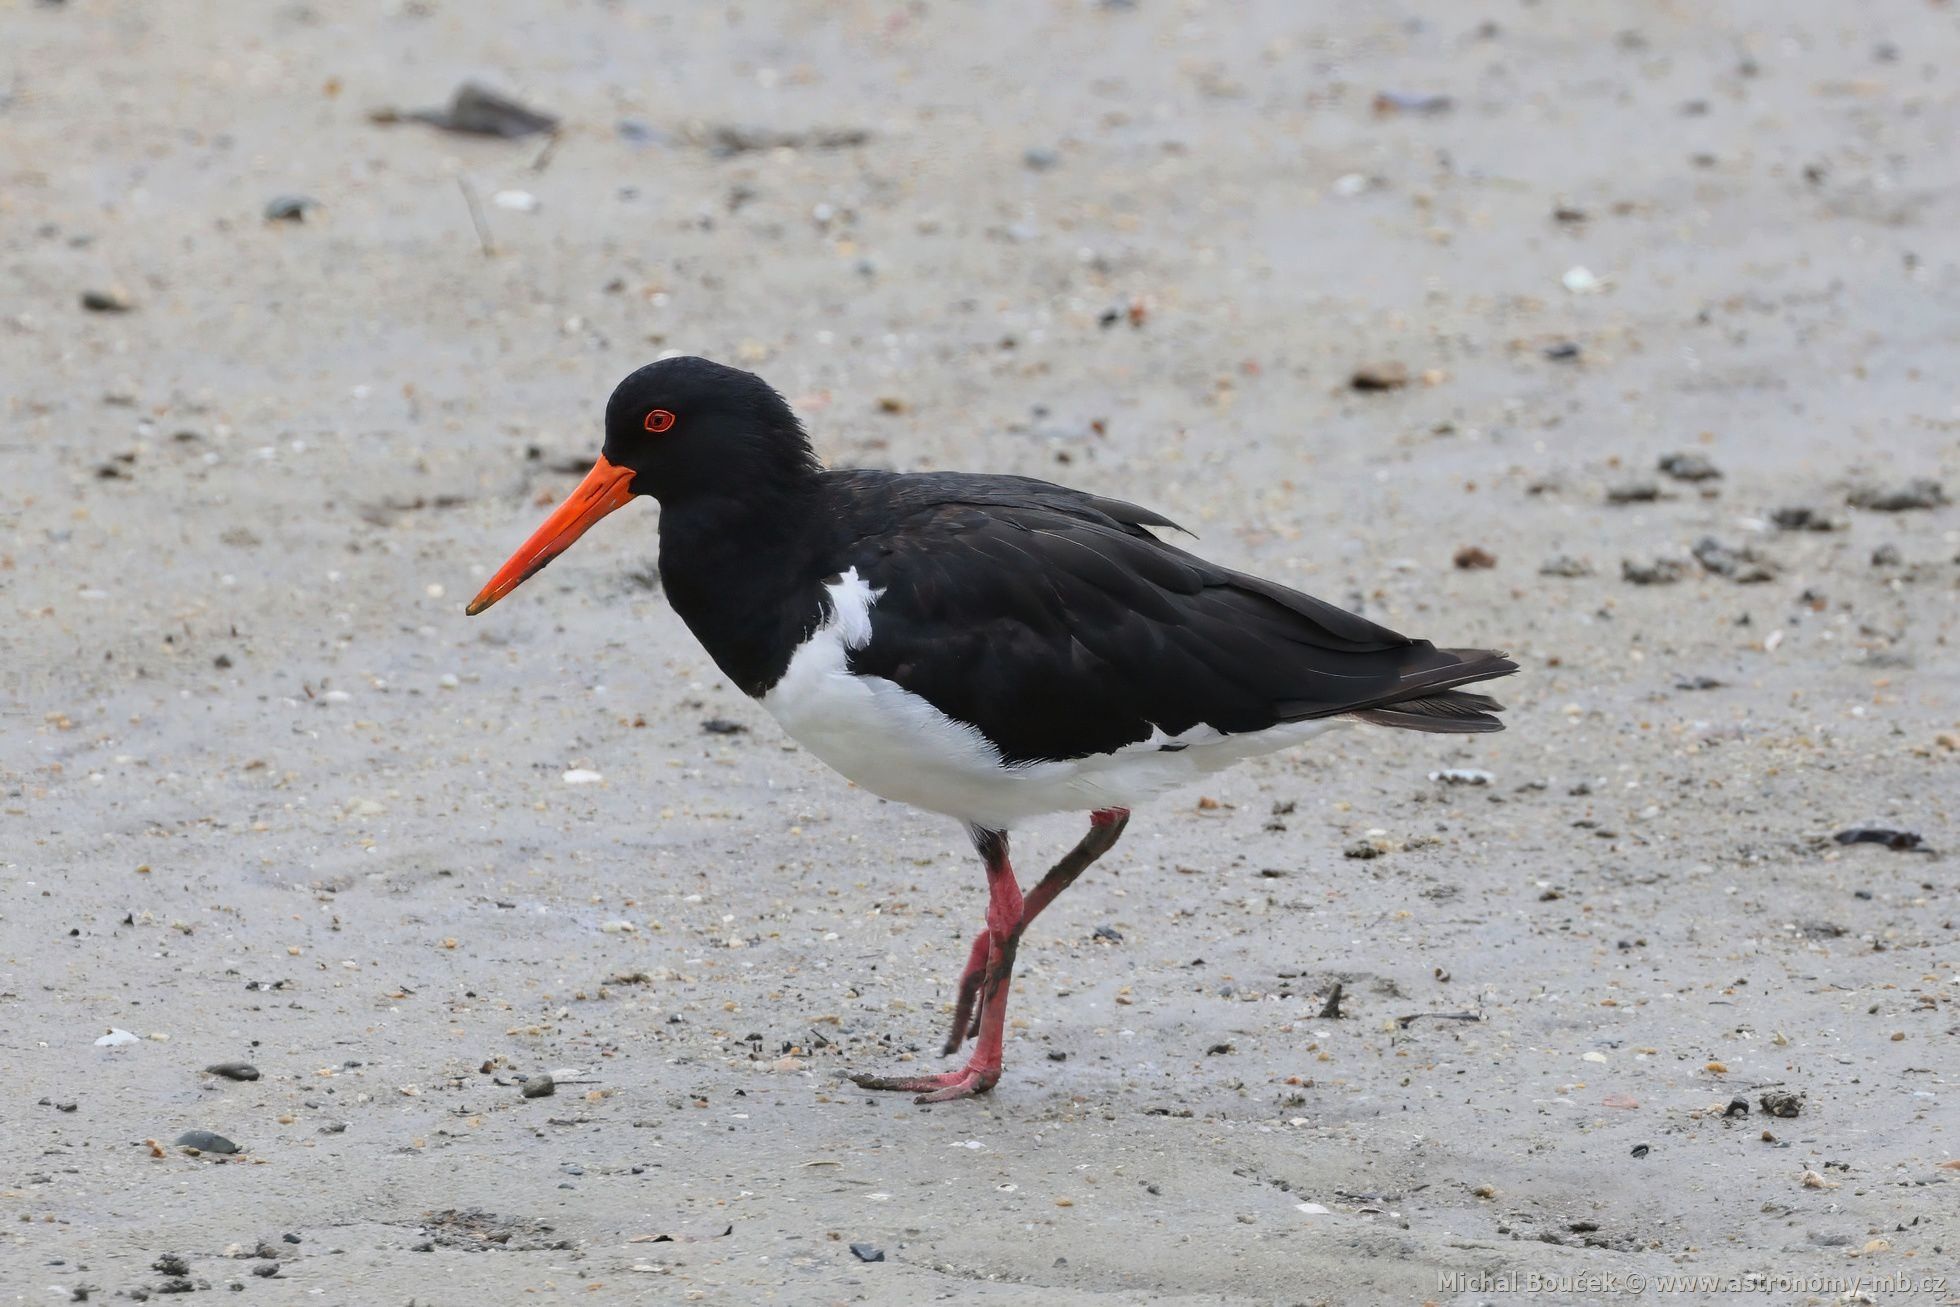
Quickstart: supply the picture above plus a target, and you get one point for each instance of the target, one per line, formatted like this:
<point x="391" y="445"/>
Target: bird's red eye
<point x="659" y="420"/>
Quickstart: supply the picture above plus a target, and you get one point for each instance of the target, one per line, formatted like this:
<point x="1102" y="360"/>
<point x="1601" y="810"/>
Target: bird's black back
<point x="1059" y="626"/>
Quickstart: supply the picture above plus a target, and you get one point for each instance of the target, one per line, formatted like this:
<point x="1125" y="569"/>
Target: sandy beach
<point x="1622" y="337"/>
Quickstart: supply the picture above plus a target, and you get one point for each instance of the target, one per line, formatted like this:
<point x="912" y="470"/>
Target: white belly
<point x="898" y="746"/>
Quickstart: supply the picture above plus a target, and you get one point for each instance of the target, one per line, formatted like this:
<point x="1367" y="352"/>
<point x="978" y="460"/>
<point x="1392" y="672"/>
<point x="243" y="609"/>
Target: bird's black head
<point x="687" y="426"/>
<point x="681" y="430"/>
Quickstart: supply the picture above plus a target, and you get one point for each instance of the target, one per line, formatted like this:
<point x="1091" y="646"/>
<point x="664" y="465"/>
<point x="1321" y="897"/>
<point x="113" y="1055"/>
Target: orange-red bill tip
<point x="605" y="488"/>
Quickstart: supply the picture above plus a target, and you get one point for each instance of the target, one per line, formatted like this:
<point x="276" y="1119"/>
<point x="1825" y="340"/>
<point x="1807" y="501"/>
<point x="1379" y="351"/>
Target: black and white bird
<point x="988" y="647"/>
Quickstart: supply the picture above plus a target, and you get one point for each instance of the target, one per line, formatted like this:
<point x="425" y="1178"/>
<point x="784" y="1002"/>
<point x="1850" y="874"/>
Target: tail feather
<point x="1429" y="702"/>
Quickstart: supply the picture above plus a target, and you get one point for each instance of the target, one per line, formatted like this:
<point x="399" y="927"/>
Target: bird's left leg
<point x="1105" y="828"/>
<point x="1004" y="919"/>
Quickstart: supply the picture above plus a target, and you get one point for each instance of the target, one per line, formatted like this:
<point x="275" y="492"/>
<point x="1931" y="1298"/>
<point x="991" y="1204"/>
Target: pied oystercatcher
<point x="987" y="647"/>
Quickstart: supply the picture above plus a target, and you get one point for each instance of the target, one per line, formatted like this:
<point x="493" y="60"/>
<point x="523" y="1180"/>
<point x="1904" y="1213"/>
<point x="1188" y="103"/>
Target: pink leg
<point x="1105" y="827"/>
<point x="966" y="1017"/>
<point x="1003" y="921"/>
<point x="990" y="964"/>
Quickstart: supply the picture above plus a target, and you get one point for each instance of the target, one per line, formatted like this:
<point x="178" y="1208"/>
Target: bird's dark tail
<point x="1431" y="702"/>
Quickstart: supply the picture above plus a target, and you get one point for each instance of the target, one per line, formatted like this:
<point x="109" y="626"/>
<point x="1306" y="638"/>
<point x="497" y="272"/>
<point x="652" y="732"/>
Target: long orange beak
<point x="606" y="487"/>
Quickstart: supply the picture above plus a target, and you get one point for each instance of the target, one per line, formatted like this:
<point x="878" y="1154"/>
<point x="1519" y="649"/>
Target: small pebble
<point x="204" y="1141"/>
<point x="107" y="301"/>
<point x="1802" y="517"/>
<point x="1633" y="492"/>
<point x="1380" y="376"/>
<point x="289" y="208"/>
<point x="1740" y="564"/>
<point x="540" y="1086"/>
<point x="1582" y="281"/>
<point x="1920" y="492"/>
<point x="1781" y="1102"/>
<point x="1662" y="571"/>
<point x="1565" y="565"/>
<point x="1688" y="467"/>
<point x="233" y="1070"/>
<point x="865" y="1252"/>
<point x="1474" y="558"/>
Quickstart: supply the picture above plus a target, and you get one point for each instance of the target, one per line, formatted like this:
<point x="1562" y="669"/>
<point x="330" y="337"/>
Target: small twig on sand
<point x="543" y="160"/>
<point x="476" y="218"/>
<point x="1331" y="1009"/>
<point x="1438" y="1016"/>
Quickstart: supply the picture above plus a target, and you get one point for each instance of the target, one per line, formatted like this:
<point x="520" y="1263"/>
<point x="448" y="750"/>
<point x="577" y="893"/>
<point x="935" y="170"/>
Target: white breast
<point x="898" y="746"/>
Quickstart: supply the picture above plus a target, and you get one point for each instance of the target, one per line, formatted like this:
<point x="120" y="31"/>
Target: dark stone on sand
<point x="865" y="1252"/>
<point x="1920" y="492"/>
<point x="1689" y="467"/>
<point x="477" y="110"/>
<point x="204" y="1141"/>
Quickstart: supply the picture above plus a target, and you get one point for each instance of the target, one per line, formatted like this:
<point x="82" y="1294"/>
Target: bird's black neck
<point x="743" y="573"/>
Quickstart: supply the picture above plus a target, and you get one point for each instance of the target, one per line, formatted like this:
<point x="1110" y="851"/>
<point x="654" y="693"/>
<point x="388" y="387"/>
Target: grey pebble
<point x="106" y="301"/>
<point x="233" y="1070"/>
<point x="289" y="208"/>
<point x="539" y="1086"/>
<point x="865" y="1252"/>
<point x="1662" y="571"/>
<point x="1565" y="565"/>
<point x="266" y="1270"/>
<point x="1688" y="467"/>
<point x="204" y="1141"/>
<point x="1803" y="517"/>
<point x="1740" y="564"/>
<point x="1633" y="492"/>
<point x="477" y="110"/>
<point x="1040" y="158"/>
<point x="1920" y="492"/>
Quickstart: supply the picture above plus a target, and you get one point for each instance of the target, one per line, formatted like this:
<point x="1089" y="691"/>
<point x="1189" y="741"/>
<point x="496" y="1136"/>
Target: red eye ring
<point x="660" y="420"/>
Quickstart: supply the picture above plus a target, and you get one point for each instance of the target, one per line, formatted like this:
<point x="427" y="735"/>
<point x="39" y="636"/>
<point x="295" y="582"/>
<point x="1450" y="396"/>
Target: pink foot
<point x="970" y="1082"/>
